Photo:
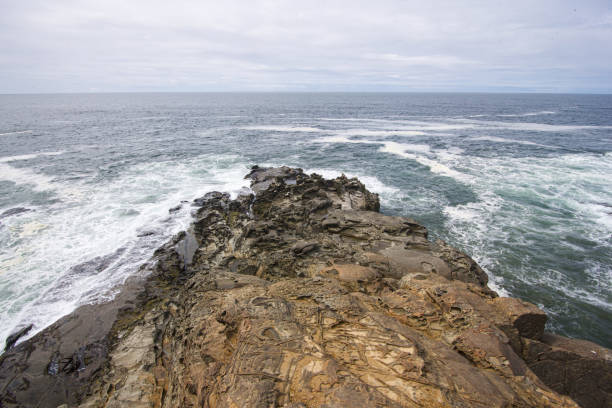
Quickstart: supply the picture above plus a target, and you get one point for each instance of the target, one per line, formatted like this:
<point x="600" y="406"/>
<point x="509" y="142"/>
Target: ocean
<point x="521" y="182"/>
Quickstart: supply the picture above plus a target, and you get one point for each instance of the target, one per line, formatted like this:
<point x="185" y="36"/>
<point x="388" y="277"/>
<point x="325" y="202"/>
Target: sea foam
<point x="127" y="216"/>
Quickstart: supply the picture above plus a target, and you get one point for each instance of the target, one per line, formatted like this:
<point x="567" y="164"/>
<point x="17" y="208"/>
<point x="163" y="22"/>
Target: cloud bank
<point x="276" y="45"/>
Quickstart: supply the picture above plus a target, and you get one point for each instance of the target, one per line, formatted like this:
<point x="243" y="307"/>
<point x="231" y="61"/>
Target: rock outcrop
<point x="304" y="295"/>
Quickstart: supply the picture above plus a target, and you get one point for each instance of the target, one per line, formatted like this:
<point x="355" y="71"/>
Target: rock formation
<point x="304" y="295"/>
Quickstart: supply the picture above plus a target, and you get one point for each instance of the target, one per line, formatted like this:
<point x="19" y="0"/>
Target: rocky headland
<point x="301" y="294"/>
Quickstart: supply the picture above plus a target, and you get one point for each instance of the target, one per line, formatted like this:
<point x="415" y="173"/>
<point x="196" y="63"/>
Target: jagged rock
<point x="303" y="295"/>
<point x="12" y="339"/>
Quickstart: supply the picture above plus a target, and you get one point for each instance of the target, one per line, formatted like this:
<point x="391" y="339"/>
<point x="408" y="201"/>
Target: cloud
<point x="431" y="61"/>
<point x="78" y="45"/>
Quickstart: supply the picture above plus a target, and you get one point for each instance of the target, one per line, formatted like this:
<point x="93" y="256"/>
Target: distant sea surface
<point x="522" y="183"/>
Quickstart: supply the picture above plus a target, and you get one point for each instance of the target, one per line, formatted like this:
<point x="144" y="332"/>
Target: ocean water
<point x="522" y="183"/>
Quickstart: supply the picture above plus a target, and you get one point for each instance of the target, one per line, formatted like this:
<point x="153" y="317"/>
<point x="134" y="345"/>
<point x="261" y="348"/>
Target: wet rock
<point x="462" y="266"/>
<point x="213" y="195"/>
<point x="53" y="367"/>
<point x="12" y="339"/>
<point x="14" y="211"/>
<point x="175" y="209"/>
<point x="56" y="366"/>
<point x="186" y="248"/>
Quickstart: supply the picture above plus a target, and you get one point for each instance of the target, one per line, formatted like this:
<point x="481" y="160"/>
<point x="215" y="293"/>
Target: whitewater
<point x="522" y="183"/>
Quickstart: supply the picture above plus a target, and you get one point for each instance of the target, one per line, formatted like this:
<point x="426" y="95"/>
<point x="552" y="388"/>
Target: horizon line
<point x="305" y="92"/>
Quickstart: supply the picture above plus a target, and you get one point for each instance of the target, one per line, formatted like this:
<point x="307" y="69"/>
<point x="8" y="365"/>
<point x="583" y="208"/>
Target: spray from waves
<point x="81" y="250"/>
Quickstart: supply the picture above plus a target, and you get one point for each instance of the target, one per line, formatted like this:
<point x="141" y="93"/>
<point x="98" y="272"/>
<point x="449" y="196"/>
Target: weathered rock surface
<point x="303" y="295"/>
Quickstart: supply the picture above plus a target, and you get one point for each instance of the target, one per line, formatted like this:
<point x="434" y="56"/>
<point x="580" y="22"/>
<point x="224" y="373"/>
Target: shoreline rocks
<point x="12" y="339"/>
<point x="304" y="295"/>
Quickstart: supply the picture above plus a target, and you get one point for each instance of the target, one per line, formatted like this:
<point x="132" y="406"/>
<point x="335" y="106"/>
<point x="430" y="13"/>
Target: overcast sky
<point x="253" y="45"/>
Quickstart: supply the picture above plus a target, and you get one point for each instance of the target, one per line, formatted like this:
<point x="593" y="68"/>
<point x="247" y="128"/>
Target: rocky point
<point x="301" y="294"/>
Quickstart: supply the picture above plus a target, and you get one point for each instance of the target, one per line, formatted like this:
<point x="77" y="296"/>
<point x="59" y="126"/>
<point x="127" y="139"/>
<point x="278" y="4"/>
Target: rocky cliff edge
<point x="303" y="295"/>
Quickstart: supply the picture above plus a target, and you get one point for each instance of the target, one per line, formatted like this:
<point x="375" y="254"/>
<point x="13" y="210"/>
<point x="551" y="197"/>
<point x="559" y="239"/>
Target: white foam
<point x="578" y="184"/>
<point x="404" y="125"/>
<point x="528" y="126"/>
<point x="31" y="228"/>
<point x="24" y="176"/>
<point x="388" y="193"/>
<point x="402" y="150"/>
<point x="44" y="244"/>
<point x="515" y="141"/>
<point x="8" y="159"/>
<point x="20" y="132"/>
<point x="372" y="183"/>
<point x="379" y="133"/>
<point x="463" y="213"/>
<point x="440" y="168"/>
<point x="339" y="132"/>
<point x="339" y="139"/>
<point x="277" y="128"/>
<point x="353" y="120"/>
<point x="388" y="147"/>
<point x="518" y="115"/>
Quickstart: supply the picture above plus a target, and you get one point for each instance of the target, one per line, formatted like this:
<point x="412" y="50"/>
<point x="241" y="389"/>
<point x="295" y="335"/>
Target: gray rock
<point x="13" y="338"/>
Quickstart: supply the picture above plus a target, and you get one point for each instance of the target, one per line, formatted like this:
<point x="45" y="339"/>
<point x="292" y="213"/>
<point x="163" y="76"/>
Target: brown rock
<point x="305" y="296"/>
<point x="578" y="368"/>
<point x="526" y="318"/>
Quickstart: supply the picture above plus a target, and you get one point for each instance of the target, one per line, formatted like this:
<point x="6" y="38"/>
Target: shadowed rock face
<point x="303" y="295"/>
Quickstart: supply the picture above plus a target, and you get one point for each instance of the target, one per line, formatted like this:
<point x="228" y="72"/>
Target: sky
<point x="255" y="45"/>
